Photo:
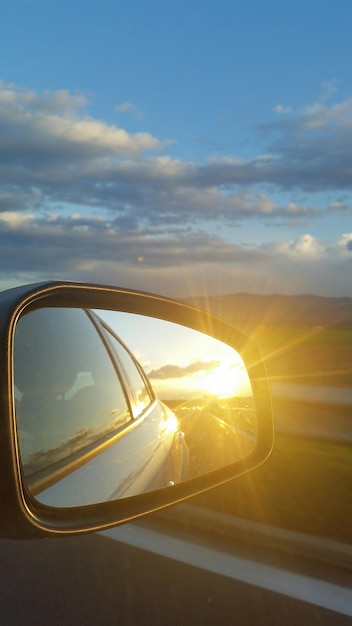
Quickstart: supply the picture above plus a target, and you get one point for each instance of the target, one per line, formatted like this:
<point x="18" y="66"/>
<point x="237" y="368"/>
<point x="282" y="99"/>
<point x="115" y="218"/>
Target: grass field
<point x="304" y="486"/>
<point x="307" y="356"/>
<point x="306" y="483"/>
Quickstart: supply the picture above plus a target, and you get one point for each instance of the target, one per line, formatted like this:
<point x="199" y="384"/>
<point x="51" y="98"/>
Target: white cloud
<point x="144" y="218"/>
<point x="58" y="118"/>
<point x="312" y="147"/>
<point x="59" y="101"/>
<point x="306" y="246"/>
<point x="319" y="115"/>
<point x="174" y="260"/>
<point x="129" y="107"/>
<point x="50" y="145"/>
<point x="338" y="206"/>
<point x="98" y="134"/>
<point x="281" y="109"/>
<point x="344" y="245"/>
<point x="14" y="220"/>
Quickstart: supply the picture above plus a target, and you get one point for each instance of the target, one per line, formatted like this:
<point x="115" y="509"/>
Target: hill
<point x="250" y="310"/>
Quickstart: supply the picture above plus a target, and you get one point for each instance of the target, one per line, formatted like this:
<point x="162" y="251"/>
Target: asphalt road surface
<point x="96" y="580"/>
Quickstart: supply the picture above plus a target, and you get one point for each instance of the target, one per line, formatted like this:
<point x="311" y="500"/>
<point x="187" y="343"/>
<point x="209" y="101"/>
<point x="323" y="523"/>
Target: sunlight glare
<point x="229" y="379"/>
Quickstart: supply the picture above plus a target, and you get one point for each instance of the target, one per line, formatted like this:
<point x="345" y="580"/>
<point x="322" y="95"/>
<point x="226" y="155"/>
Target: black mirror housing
<point x="22" y="515"/>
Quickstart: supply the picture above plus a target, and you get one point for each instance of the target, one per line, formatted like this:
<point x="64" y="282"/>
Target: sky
<point x="183" y="148"/>
<point x="183" y="362"/>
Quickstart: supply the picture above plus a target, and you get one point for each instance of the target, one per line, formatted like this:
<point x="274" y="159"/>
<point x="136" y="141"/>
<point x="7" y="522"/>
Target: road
<point x="190" y="551"/>
<point x="214" y="442"/>
<point x="137" y="576"/>
<point x="172" y="573"/>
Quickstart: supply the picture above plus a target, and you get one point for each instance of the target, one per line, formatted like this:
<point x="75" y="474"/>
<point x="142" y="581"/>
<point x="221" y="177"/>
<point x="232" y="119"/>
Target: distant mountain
<point x="249" y="310"/>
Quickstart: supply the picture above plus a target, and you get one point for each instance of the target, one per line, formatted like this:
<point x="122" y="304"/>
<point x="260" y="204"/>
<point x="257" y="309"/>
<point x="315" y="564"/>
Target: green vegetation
<point x="311" y="357"/>
<point x="304" y="486"/>
<point x="306" y="483"/>
<point x="304" y="339"/>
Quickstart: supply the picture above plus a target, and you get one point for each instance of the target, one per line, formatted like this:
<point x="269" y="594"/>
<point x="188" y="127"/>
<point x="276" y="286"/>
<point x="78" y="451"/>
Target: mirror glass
<point x="110" y="405"/>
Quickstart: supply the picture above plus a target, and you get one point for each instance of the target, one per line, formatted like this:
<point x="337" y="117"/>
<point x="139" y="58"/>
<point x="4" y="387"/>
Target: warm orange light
<point x="229" y="379"/>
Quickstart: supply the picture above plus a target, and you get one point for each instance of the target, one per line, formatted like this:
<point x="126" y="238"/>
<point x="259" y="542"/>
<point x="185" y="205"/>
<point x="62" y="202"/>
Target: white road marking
<point x="307" y="589"/>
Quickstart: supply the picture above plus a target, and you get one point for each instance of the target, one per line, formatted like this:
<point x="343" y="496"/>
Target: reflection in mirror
<point x="111" y="405"/>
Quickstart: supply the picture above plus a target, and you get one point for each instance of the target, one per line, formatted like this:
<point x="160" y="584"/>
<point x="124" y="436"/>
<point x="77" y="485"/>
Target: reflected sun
<point x="227" y="380"/>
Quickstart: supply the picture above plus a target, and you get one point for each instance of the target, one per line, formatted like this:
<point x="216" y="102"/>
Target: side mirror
<point x="118" y="403"/>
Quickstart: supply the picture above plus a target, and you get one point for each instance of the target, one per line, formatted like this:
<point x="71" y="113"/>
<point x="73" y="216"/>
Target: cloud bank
<point x="83" y="199"/>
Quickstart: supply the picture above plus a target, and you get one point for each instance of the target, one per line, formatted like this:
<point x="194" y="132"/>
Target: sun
<point x="227" y="380"/>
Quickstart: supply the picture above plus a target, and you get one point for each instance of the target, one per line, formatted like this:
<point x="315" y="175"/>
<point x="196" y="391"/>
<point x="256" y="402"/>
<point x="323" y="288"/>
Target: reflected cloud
<point x="178" y="371"/>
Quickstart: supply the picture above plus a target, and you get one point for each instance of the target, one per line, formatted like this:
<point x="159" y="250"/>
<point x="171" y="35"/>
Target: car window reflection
<point x="68" y="394"/>
<point x="139" y="387"/>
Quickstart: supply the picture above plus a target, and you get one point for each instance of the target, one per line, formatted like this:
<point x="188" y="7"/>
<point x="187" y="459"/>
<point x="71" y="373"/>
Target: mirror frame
<point x="23" y="516"/>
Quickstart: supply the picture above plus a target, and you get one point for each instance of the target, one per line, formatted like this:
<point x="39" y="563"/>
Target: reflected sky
<point x="179" y="361"/>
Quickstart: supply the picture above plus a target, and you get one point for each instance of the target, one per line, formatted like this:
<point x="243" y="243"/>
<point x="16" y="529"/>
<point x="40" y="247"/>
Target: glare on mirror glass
<point x="110" y="405"/>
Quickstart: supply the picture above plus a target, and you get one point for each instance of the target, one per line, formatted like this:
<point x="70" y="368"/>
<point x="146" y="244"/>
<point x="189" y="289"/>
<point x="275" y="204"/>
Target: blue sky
<point x="177" y="147"/>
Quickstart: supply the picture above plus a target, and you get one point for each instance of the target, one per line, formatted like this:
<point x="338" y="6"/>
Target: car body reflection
<point x="90" y="426"/>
